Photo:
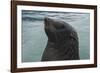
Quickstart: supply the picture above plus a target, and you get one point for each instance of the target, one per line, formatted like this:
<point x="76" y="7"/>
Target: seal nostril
<point x="48" y="21"/>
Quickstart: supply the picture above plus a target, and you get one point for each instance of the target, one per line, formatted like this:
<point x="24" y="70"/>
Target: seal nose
<point x="47" y="21"/>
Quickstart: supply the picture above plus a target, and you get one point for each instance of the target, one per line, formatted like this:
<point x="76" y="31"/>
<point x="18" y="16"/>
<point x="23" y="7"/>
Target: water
<point x="34" y="39"/>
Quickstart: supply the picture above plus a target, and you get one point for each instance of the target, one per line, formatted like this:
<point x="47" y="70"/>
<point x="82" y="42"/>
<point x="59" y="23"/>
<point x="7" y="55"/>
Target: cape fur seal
<point x="62" y="41"/>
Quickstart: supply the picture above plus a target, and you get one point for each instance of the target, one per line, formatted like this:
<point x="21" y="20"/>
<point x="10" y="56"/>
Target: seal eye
<point x="59" y="26"/>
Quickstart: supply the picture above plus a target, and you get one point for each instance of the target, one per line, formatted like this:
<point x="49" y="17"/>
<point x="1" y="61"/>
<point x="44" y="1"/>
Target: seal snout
<point x="48" y="18"/>
<point x="47" y="22"/>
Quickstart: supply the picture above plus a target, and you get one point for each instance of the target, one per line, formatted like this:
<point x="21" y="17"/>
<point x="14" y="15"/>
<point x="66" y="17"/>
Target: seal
<point x="62" y="41"/>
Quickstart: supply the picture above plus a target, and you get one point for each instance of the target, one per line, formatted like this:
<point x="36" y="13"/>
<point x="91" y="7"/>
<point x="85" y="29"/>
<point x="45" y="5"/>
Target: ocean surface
<point x="34" y="39"/>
